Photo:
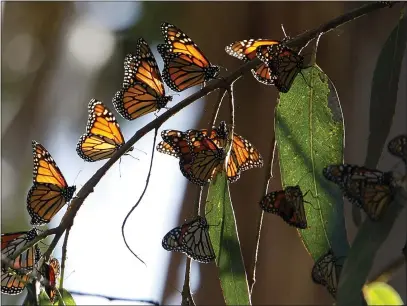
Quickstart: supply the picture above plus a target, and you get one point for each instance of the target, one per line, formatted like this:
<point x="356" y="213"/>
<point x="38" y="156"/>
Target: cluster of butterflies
<point x="48" y="194"/>
<point x="16" y="275"/>
<point x="369" y="189"/>
<point x="186" y="66"/>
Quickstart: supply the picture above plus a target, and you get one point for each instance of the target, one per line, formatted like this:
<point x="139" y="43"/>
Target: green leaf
<point x="379" y="293"/>
<point x="309" y="132"/>
<point x="360" y="259"/>
<point x="67" y="298"/>
<point x="225" y="241"/>
<point x="384" y="91"/>
<point x="43" y="299"/>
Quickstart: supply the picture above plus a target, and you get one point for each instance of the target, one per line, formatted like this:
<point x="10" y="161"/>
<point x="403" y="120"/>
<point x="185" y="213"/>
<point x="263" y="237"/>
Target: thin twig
<point x="187" y="299"/>
<point x="222" y="93"/>
<point x="298" y="41"/>
<point x="387" y="273"/>
<point x="269" y="176"/>
<point x="198" y="205"/>
<point x="110" y="298"/>
<point x="63" y="260"/>
<point x="141" y="197"/>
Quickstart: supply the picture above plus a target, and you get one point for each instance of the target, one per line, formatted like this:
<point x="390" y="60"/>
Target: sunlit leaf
<point x="67" y="298"/>
<point x="43" y="299"/>
<point x="360" y="259"/>
<point x="310" y="133"/>
<point x="384" y="91"/>
<point x="380" y="293"/>
<point x="225" y="241"/>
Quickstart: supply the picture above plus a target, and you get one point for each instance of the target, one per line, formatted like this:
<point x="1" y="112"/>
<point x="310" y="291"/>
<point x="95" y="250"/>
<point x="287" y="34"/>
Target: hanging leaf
<point x="310" y="133"/>
<point x="360" y="259"/>
<point x="384" y="92"/>
<point x="225" y="241"/>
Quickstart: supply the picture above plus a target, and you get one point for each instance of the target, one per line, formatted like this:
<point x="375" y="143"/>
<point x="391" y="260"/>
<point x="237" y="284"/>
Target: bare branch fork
<point x="223" y="83"/>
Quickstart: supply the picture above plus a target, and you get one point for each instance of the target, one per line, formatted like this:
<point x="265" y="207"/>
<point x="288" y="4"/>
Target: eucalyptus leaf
<point x="310" y="136"/>
<point x="226" y="244"/>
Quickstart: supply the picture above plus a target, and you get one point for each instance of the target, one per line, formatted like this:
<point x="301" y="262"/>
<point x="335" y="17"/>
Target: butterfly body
<point x="50" y="191"/>
<point x="12" y="281"/>
<point x="283" y="62"/>
<point x="246" y="50"/>
<point x="51" y="271"/>
<point x="288" y="204"/>
<point x="142" y="90"/>
<point x="184" y="63"/>
<point x="191" y="238"/>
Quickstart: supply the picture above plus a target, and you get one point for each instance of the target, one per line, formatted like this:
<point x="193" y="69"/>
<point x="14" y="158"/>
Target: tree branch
<point x="63" y="260"/>
<point x="110" y="298"/>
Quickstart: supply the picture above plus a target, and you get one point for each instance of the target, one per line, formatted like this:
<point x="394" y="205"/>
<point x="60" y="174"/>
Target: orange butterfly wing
<point x="50" y="192"/>
<point x="143" y="90"/>
<point x="246" y="50"/>
<point x="185" y="64"/>
<point x="103" y="135"/>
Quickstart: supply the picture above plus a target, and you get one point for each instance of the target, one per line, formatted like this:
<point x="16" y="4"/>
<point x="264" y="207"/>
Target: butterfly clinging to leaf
<point x="288" y="204"/>
<point x="369" y="189"/>
<point x="50" y="191"/>
<point x="103" y="136"/>
<point x="191" y="238"/>
<point x="143" y="89"/>
<point x="184" y="63"/>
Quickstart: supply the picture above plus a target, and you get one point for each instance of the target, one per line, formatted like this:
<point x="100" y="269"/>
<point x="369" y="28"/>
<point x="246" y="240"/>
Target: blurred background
<point x="56" y="56"/>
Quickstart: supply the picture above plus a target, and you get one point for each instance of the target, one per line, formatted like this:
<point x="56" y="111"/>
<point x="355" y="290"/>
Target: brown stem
<point x="269" y="176"/>
<point x="63" y="260"/>
<point x="187" y="299"/>
<point x="140" y="198"/>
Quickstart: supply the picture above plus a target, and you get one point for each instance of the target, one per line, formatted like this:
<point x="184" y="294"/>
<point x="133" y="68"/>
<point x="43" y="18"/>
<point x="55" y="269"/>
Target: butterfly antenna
<point x="76" y="177"/>
<point x="128" y="154"/>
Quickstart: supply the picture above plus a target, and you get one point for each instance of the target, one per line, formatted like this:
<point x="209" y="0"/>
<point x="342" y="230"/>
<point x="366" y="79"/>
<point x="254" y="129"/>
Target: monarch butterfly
<point x="369" y="189"/>
<point x="49" y="192"/>
<point x="243" y="155"/>
<point x="191" y="238"/>
<point x="246" y="50"/>
<point x="326" y="272"/>
<point x="51" y="272"/>
<point x="13" y="282"/>
<point x="103" y="136"/>
<point x="398" y="147"/>
<point x="288" y="204"/>
<point x="143" y="90"/>
<point x="184" y="63"/>
<point x="200" y="166"/>
<point x="283" y="62"/>
<point x="199" y="157"/>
